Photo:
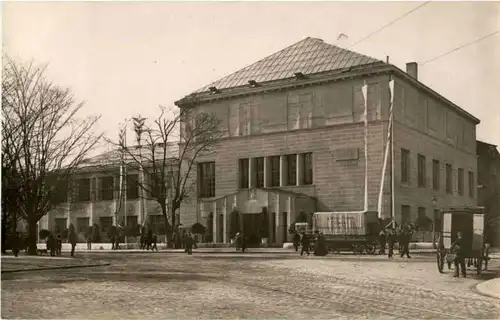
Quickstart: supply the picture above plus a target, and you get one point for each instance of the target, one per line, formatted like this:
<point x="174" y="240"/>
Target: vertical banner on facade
<point x="364" y="89"/>
<point x="387" y="148"/>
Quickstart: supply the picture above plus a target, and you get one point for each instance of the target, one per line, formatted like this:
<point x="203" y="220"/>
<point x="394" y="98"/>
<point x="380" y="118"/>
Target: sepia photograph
<point x="250" y="160"/>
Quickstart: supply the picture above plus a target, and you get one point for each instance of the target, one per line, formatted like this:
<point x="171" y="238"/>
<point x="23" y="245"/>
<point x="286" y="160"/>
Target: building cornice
<point x="375" y="69"/>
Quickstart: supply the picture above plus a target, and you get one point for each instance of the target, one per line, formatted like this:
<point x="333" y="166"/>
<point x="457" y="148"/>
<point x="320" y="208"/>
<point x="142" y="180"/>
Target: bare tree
<point x="43" y="140"/>
<point x="168" y="159"/>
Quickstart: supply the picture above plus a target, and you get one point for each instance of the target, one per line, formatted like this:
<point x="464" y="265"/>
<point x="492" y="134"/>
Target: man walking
<point x="404" y="240"/>
<point x="391" y="239"/>
<point x="459" y="260"/>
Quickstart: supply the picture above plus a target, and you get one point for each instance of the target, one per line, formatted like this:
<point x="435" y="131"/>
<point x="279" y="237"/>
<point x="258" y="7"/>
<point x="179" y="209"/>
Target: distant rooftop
<point x="308" y="56"/>
<point x="112" y="157"/>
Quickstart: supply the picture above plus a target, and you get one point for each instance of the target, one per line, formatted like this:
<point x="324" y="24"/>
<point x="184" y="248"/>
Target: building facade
<point x="94" y="198"/>
<point x="489" y="189"/>
<point x="294" y="141"/>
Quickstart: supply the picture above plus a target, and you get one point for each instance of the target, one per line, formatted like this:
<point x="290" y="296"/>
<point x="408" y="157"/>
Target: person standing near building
<point x="189" y="243"/>
<point x="304" y="241"/>
<point x="391" y="239"/>
<point x="296" y="240"/>
<point x="404" y="240"/>
<point x="459" y="260"/>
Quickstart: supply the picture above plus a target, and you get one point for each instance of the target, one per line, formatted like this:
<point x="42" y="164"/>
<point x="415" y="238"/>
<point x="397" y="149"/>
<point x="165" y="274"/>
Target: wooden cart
<point x="354" y="230"/>
<point x="469" y="221"/>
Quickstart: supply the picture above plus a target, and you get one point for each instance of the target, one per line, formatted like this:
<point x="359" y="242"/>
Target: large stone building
<point x="294" y="141"/>
<point x="93" y="196"/>
<point x="488" y="194"/>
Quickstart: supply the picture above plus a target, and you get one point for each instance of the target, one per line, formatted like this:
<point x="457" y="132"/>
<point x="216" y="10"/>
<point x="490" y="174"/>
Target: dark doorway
<point x="250" y="229"/>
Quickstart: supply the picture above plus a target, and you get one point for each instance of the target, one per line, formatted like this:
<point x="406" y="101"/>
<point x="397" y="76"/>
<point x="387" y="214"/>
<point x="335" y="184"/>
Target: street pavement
<point x="215" y="286"/>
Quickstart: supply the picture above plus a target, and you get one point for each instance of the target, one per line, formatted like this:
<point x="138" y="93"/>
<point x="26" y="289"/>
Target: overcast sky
<point x="128" y="58"/>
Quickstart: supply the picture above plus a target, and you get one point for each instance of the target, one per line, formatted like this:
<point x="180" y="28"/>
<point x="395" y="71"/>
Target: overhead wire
<point x="389" y="24"/>
<point x="459" y="48"/>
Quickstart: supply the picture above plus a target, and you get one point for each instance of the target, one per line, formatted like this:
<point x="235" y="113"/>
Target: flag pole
<point x="393" y="202"/>
<point x="364" y="89"/>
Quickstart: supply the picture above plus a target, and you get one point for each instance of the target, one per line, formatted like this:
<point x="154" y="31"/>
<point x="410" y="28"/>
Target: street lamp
<point x="434" y="203"/>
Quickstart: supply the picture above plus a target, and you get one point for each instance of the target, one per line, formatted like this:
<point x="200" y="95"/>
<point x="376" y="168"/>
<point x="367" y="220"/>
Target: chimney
<point x="412" y="70"/>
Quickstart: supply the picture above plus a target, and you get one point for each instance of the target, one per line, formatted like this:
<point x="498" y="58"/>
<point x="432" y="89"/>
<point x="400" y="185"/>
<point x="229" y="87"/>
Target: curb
<point x="56" y="268"/>
<point x="487" y="292"/>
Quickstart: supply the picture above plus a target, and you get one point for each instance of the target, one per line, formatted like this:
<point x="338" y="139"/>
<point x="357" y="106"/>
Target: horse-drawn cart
<point x="356" y="231"/>
<point x="469" y="221"/>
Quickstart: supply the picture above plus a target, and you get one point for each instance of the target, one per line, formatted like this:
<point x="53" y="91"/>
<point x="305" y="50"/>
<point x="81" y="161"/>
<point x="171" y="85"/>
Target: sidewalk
<point x="36" y="263"/>
<point x="490" y="288"/>
<point x="279" y="251"/>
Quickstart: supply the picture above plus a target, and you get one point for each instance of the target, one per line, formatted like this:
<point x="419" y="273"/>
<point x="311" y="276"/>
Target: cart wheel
<point x="440" y="261"/>
<point x="479" y="266"/>
<point x="370" y="249"/>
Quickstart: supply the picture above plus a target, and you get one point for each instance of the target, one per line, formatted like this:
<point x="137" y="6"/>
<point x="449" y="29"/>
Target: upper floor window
<point x="307" y="168"/>
<point x="83" y="190"/>
<point x="421" y="171"/>
<point x="471" y="184"/>
<point x="291" y="162"/>
<point x="275" y="171"/>
<point x="460" y="181"/>
<point x="106" y="185"/>
<point x="259" y="172"/>
<point x="132" y="187"/>
<point x="206" y="179"/>
<point x="405" y="166"/>
<point x="435" y="174"/>
<point x="449" y="177"/>
<point x="243" y="169"/>
<point x="405" y="214"/>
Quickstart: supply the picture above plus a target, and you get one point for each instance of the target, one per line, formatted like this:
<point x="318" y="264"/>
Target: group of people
<point x="391" y="235"/>
<point x="304" y="240"/>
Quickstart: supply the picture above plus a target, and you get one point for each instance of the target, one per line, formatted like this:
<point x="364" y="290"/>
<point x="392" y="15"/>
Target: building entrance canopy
<point x="282" y="208"/>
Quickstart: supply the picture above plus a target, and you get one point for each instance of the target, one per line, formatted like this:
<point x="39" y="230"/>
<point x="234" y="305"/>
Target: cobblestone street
<point x="218" y="286"/>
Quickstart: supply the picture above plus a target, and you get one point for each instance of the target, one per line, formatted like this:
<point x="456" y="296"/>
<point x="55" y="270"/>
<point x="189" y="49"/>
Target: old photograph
<point x="250" y="160"/>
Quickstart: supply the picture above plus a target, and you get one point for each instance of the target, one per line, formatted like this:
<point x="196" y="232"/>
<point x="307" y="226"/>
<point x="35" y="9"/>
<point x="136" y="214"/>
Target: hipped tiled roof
<point x="309" y="56"/>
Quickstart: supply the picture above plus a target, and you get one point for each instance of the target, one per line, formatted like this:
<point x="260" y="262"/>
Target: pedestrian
<point x="112" y="239"/>
<point x="382" y="238"/>
<point x="237" y="241"/>
<point x="189" y="243"/>
<point x="391" y="239"/>
<point x="404" y="241"/>
<point x="320" y="247"/>
<point x="305" y="243"/>
<point x="58" y="244"/>
<point x="16" y="245"/>
<point x="153" y="242"/>
<point x="117" y="241"/>
<point x="459" y="260"/>
<point x="296" y="241"/>
<point x="89" y="241"/>
<point x="51" y="245"/>
<point x="243" y="242"/>
<point x="72" y="241"/>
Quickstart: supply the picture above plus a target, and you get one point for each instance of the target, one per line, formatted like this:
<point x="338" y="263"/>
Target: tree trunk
<point x="32" y="237"/>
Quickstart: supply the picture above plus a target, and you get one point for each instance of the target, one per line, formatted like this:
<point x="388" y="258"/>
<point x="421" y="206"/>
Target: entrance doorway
<point x="250" y="229"/>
